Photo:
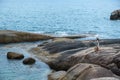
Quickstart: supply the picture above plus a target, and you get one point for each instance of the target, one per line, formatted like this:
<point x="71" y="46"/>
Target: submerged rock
<point x="14" y="55"/>
<point x="29" y="61"/>
<point x="115" y="15"/>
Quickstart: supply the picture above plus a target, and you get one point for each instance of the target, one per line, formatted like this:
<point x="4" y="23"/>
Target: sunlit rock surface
<point x="8" y="36"/>
<point x="13" y="55"/>
<point x="84" y="71"/>
<point x="56" y="75"/>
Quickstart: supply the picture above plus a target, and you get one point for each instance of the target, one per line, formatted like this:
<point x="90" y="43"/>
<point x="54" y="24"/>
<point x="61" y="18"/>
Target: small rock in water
<point x="115" y="15"/>
<point x="14" y="55"/>
<point x="29" y="61"/>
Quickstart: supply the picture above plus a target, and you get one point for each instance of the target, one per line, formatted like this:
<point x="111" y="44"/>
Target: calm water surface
<point x="15" y="70"/>
<point x="60" y="17"/>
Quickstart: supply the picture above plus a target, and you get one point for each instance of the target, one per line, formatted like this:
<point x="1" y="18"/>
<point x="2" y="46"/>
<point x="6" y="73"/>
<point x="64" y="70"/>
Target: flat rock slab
<point x="8" y="36"/>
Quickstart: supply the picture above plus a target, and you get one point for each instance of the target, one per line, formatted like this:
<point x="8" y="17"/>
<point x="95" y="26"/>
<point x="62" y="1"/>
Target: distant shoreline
<point x="10" y="36"/>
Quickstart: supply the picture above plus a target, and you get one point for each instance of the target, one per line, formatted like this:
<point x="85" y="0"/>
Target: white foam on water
<point x="61" y="33"/>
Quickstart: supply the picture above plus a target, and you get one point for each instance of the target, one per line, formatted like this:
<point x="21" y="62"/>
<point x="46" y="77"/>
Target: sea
<point x="61" y="17"/>
<point x="53" y="17"/>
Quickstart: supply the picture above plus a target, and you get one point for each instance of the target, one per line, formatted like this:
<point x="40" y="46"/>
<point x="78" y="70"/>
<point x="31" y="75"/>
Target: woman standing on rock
<point x="97" y="48"/>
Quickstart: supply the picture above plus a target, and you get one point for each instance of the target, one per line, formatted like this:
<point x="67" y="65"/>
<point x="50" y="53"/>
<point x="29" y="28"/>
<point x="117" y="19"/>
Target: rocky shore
<point x="9" y="36"/>
<point x="72" y="59"/>
<point x="79" y="59"/>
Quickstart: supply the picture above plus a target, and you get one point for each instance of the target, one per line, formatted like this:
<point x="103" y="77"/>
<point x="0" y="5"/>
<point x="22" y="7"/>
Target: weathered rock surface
<point x="103" y="58"/>
<point x="63" y="44"/>
<point x="115" y="15"/>
<point x="14" y="55"/>
<point x="74" y="36"/>
<point x="29" y="61"/>
<point x="63" y="54"/>
<point x="106" y="78"/>
<point x="86" y="72"/>
<point x="56" y="75"/>
<point x="63" y="51"/>
<point x="8" y="36"/>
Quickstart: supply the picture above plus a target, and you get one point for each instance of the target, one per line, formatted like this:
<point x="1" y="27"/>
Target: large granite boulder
<point x="63" y="54"/>
<point x="105" y="78"/>
<point x="63" y="44"/>
<point x="14" y="55"/>
<point x="115" y="15"/>
<point x="87" y="72"/>
<point x="56" y="75"/>
<point x="29" y="61"/>
<point x="104" y="58"/>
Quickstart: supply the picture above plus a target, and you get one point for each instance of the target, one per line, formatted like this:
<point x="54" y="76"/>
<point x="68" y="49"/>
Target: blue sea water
<point x="15" y="70"/>
<point x="60" y="17"/>
<point x="56" y="17"/>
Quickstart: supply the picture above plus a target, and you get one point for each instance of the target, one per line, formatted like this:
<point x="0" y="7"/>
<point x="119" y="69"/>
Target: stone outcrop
<point x="14" y="55"/>
<point x="84" y="71"/>
<point x="62" y="54"/>
<point x="56" y="75"/>
<point x="62" y="44"/>
<point x="8" y="36"/>
<point x="29" y="61"/>
<point x="115" y="15"/>
<point x="74" y="36"/>
<point x="105" y="78"/>
<point x="105" y="58"/>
